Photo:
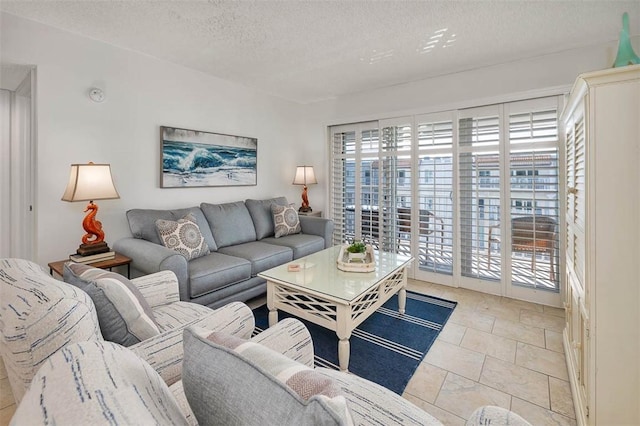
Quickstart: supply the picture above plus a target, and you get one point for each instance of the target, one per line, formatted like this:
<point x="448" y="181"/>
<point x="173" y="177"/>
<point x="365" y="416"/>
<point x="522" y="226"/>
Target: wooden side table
<point x="119" y="260"/>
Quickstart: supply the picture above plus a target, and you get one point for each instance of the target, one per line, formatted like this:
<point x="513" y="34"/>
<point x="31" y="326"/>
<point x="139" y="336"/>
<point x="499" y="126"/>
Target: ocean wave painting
<point x="192" y="158"/>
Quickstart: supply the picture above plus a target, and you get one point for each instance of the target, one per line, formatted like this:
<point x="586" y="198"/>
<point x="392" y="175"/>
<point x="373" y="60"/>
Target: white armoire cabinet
<point x="602" y="336"/>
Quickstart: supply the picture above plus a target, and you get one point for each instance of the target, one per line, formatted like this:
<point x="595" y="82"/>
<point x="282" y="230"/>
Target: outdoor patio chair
<point x="531" y="234"/>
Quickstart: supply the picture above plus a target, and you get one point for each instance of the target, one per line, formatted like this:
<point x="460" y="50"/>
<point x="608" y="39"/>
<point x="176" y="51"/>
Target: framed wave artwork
<point x="192" y="158"/>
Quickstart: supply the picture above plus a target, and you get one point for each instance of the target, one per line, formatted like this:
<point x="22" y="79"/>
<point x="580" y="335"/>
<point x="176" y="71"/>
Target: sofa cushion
<point x="230" y="223"/>
<point x="97" y="383"/>
<point x="285" y="220"/>
<point x="183" y="235"/>
<point x="301" y="244"/>
<point x="142" y="223"/>
<point x="249" y="392"/>
<point x="215" y="271"/>
<point x="124" y="315"/>
<point x="261" y="255"/>
<point x="260" y="211"/>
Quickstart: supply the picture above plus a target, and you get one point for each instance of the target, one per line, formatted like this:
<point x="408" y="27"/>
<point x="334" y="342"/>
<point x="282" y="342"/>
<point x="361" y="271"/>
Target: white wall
<point x="142" y="94"/>
<point x="5" y="171"/>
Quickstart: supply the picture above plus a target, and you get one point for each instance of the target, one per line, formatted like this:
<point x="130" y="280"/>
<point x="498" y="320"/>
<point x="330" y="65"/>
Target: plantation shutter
<point x="342" y="190"/>
<point x="435" y="192"/>
<point x="354" y="189"/>
<point x="395" y="185"/>
<point x="479" y="180"/>
<point x="533" y="195"/>
<point x="575" y="196"/>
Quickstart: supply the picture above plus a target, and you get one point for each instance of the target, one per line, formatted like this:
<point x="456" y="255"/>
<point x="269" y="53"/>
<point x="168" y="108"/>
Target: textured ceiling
<point x="312" y="50"/>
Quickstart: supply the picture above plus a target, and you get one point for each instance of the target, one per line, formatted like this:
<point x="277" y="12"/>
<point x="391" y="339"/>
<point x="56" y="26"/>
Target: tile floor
<point x="493" y="351"/>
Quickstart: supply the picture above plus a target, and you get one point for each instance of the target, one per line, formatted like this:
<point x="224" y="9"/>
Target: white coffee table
<point x="334" y="299"/>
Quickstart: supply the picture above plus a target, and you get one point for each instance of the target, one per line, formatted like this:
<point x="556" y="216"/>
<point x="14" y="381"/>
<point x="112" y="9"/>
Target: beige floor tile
<point x="553" y="341"/>
<point x="462" y="396"/>
<point x="452" y="333"/>
<point x="6" y="396"/>
<point x="499" y="310"/>
<point x="561" y="400"/>
<point x="542" y="360"/>
<point x="520" y="332"/>
<point x="471" y="299"/>
<point x="445" y="417"/>
<point x="424" y="287"/>
<point x="550" y="310"/>
<point x="458" y="360"/>
<point x="471" y="318"/>
<point x="529" y="306"/>
<point x="490" y="344"/>
<point x="6" y="414"/>
<point x="426" y="382"/>
<point x="256" y="302"/>
<point x="517" y="381"/>
<point x="549" y="322"/>
<point x="3" y="370"/>
<point x="538" y="416"/>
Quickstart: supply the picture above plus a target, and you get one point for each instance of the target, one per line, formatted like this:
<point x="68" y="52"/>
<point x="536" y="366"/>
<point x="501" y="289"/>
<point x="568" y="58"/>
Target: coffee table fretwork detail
<point x="336" y="314"/>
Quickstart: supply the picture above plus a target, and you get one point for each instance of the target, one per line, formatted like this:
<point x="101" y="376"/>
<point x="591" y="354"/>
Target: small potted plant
<point x="357" y="251"/>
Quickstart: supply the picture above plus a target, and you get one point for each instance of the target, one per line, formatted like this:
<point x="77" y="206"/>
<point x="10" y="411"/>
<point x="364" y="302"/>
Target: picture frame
<point x="195" y="158"/>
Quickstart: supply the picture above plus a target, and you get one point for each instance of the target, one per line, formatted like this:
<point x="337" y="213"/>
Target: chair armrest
<point x="490" y="237"/>
<point x="148" y="257"/>
<point x="318" y="226"/>
<point x="158" y="289"/>
<point x="289" y="337"/>
<point x="164" y="352"/>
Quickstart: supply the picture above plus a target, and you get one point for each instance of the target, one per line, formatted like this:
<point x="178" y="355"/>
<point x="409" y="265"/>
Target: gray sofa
<point x="240" y="236"/>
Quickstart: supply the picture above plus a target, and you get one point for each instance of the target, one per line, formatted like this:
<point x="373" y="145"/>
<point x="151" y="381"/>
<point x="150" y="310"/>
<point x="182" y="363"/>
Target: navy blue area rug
<point x="387" y="347"/>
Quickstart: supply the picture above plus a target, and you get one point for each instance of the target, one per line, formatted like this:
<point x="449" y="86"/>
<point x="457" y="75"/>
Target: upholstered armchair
<point x="40" y="315"/>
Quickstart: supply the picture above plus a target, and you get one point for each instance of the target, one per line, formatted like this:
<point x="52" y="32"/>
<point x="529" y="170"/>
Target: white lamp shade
<point x="88" y="182"/>
<point x="304" y="176"/>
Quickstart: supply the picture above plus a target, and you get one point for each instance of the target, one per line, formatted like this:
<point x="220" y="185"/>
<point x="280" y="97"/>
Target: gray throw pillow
<point x="124" y="315"/>
<point x="253" y="385"/>
<point x="286" y="220"/>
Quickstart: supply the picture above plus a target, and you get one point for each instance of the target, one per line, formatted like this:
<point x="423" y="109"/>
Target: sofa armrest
<point x="164" y="352"/>
<point x="289" y="337"/>
<point x="158" y="289"/>
<point x="148" y="257"/>
<point x="318" y="226"/>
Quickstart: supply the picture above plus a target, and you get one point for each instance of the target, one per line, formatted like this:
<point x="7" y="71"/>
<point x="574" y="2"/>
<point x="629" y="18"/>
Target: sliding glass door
<point x="471" y="194"/>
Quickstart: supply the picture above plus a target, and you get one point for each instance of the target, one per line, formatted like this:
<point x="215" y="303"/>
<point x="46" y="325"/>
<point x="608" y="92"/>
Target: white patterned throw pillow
<point x="183" y="236"/>
<point x="285" y="220"/>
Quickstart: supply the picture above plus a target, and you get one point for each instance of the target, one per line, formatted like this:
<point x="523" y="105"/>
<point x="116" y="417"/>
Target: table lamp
<point x="304" y="176"/>
<point x="88" y="182"/>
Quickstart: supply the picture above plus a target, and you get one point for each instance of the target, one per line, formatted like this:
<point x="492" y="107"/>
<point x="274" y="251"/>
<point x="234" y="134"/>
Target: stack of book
<point x="92" y="257"/>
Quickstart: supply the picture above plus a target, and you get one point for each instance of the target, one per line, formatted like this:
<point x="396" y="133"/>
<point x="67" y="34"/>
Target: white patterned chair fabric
<point x="118" y="387"/>
<point x="40" y="314"/>
<point x="98" y="383"/>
